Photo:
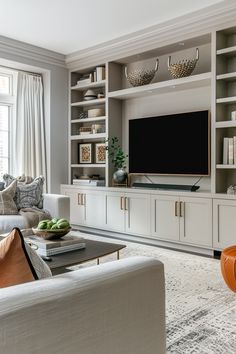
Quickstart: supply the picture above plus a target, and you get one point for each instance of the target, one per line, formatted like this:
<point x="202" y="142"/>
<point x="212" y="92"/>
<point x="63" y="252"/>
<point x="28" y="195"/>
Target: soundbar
<point x="180" y="187"/>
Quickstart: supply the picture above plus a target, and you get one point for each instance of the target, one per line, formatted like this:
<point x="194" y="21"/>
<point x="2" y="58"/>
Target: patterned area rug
<point x="200" y="309"/>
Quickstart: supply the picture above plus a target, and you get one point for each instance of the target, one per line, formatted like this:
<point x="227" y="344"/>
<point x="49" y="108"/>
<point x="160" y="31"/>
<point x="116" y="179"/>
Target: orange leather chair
<point x="228" y="266"/>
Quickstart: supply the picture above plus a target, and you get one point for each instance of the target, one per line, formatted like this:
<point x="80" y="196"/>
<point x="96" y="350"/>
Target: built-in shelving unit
<point x="88" y="122"/>
<point x="117" y="91"/>
<point x="225" y="105"/>
<point x="117" y="105"/>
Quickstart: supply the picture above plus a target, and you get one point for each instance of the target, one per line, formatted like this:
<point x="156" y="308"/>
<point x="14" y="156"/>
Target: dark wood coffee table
<point x="93" y="250"/>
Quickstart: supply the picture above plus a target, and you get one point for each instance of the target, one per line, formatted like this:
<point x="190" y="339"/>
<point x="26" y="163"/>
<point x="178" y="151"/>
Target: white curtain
<point x="29" y="156"/>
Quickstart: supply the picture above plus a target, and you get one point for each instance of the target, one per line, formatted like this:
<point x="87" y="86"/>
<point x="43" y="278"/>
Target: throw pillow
<point x="19" y="263"/>
<point x="20" y="179"/>
<point x="7" y="203"/>
<point x="27" y="195"/>
<point x="30" y="195"/>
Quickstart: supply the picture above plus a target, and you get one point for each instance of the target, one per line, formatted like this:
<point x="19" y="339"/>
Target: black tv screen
<point x="176" y="144"/>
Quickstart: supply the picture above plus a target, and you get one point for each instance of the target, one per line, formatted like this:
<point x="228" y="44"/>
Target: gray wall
<point x="55" y="78"/>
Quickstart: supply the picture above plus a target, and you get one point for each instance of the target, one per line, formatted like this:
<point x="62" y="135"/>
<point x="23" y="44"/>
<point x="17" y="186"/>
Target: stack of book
<point x="52" y="247"/>
<point x="85" y="79"/>
<point x="229" y="151"/>
<point x="89" y="182"/>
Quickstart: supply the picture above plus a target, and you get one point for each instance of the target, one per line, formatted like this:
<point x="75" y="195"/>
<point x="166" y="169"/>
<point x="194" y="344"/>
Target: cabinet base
<point x="180" y="187"/>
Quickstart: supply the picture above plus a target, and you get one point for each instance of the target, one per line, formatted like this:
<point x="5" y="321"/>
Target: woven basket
<point x="184" y="67"/>
<point x="141" y="77"/>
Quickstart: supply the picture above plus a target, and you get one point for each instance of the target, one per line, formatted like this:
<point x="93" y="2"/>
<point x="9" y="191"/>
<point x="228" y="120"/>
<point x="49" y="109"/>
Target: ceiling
<point x="66" y="26"/>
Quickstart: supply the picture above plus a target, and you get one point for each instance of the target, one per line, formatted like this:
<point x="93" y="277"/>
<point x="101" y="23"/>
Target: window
<point x="4" y="139"/>
<point x="8" y="80"/>
<point x="5" y="84"/>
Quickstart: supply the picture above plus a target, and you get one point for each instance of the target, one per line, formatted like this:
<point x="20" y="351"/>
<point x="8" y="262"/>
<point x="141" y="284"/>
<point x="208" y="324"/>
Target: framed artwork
<point x="100" y="153"/>
<point x="85" y="153"/>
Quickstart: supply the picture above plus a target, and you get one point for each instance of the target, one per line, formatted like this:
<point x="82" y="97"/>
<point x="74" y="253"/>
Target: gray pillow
<point x="28" y="195"/>
<point x="7" y="203"/>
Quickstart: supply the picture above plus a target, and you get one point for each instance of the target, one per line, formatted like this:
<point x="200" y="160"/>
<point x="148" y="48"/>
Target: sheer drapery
<point x="29" y="155"/>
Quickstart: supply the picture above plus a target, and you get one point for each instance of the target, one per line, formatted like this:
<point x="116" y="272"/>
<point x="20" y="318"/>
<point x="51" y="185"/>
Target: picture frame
<point x="85" y="153"/>
<point x="100" y="153"/>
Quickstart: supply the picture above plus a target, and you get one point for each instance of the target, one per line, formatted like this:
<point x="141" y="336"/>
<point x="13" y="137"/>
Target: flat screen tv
<point x="176" y="144"/>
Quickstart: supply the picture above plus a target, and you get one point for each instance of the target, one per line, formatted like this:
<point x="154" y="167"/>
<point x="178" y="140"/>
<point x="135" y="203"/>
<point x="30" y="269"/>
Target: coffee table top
<point x="93" y="250"/>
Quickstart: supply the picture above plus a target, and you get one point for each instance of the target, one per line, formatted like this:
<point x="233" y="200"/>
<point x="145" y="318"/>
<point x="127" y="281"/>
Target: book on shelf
<point x="231" y="151"/>
<point x="225" y="151"/>
<point x="56" y="246"/>
<point x="234" y="149"/>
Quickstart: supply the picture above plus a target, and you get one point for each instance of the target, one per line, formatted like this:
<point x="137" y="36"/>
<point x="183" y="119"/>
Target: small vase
<point x="120" y="175"/>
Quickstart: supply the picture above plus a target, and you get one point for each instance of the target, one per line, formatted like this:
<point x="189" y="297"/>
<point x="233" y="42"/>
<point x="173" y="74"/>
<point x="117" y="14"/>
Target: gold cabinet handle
<point x="126" y="203"/>
<point x="79" y="200"/>
<point x="121" y="203"/>
<point x="176" y="208"/>
<point x="182" y="209"/>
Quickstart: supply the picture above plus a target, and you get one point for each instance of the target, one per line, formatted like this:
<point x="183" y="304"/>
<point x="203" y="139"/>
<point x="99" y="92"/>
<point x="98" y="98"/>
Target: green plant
<point x="115" y="152"/>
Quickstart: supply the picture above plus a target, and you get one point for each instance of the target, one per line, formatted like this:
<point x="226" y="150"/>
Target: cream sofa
<point x="114" y="308"/>
<point x="56" y="204"/>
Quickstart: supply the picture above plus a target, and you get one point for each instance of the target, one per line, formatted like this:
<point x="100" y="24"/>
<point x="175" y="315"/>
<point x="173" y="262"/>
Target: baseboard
<point x="147" y="241"/>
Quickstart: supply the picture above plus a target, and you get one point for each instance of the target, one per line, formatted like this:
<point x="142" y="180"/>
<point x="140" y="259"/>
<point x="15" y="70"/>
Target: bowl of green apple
<point x="52" y="228"/>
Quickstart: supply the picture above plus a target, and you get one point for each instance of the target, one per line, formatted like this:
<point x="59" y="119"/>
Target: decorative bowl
<point x="141" y="77"/>
<point x="182" y="68"/>
<point x="50" y="234"/>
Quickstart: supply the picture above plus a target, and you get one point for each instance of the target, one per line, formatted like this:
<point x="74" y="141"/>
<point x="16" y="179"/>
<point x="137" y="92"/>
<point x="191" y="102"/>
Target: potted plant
<point x="118" y="158"/>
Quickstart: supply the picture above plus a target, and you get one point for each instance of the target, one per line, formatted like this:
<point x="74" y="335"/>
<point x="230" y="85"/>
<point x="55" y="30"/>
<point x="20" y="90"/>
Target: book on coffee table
<point x="51" y="247"/>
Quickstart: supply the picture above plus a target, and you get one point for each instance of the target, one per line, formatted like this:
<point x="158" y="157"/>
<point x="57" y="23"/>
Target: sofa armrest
<point x="117" y="307"/>
<point x="57" y="205"/>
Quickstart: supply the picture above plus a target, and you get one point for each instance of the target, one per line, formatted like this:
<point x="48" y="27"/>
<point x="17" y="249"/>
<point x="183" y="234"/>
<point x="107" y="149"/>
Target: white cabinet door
<point x="77" y="209"/>
<point x="115" y="213"/>
<point x="95" y="204"/>
<point x="137" y="214"/>
<point x="196" y="221"/>
<point x="224" y="223"/>
<point x="165" y="220"/>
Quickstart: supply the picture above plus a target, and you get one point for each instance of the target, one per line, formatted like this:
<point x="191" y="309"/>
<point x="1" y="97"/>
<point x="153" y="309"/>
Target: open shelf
<point x="226" y="124"/>
<point x="89" y="165"/>
<point x="85" y="120"/>
<point x="230" y="51"/>
<point x="184" y="83"/>
<point x="226" y="167"/>
<point x="227" y="77"/>
<point x="91" y="85"/>
<point x="95" y="102"/>
<point x="88" y="136"/>
<point x="226" y="100"/>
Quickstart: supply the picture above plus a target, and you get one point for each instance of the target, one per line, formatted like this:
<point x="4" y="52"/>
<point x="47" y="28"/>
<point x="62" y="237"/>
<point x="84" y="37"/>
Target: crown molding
<point x="215" y="17"/>
<point x="25" y="50"/>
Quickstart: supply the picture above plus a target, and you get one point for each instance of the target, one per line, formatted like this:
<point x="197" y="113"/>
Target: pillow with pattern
<point x="7" y="203"/>
<point x="28" y="195"/>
